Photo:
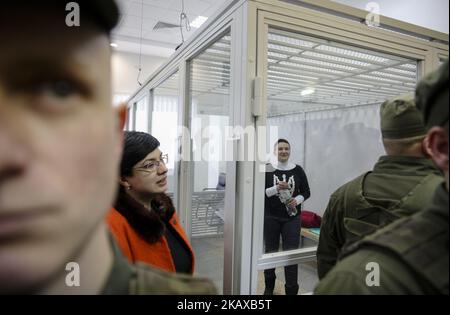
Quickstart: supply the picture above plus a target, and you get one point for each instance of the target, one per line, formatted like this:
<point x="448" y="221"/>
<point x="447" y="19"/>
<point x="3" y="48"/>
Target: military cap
<point x="401" y="119"/>
<point x="432" y="97"/>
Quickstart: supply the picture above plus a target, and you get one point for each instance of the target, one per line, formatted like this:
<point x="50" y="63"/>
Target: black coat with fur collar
<point x="149" y="224"/>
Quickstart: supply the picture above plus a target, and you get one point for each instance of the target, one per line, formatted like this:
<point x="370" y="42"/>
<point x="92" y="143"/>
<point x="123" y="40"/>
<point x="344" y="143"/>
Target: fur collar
<point x="149" y="224"/>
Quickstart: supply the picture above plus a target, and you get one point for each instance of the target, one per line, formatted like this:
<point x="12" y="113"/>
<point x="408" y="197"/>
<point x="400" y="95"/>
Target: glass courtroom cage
<point x="309" y="71"/>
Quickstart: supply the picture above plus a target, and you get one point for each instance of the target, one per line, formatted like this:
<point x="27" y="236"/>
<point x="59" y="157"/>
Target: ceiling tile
<point x="164" y="4"/>
<point x="167" y="11"/>
<point x="150" y="12"/>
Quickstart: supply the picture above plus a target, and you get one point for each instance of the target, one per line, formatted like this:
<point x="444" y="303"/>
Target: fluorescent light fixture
<point x="114" y="45"/>
<point x="199" y="20"/>
<point x="308" y="91"/>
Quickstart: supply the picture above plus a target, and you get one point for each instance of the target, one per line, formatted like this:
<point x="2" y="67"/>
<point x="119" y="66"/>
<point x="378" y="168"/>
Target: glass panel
<point x="130" y="118"/>
<point x="323" y="97"/>
<point x="141" y="123"/>
<point x="165" y="122"/>
<point x="209" y="98"/>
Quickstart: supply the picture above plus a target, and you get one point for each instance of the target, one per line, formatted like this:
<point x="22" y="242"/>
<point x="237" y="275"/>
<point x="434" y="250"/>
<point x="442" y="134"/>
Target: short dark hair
<point x="281" y="141"/>
<point x="137" y="145"/>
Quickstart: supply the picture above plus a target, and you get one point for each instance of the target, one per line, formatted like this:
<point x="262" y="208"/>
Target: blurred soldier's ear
<point x="426" y="150"/>
<point x="438" y="145"/>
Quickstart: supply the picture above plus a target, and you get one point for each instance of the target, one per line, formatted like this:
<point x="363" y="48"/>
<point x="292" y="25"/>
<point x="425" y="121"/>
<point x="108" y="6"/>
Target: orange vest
<point x="136" y="248"/>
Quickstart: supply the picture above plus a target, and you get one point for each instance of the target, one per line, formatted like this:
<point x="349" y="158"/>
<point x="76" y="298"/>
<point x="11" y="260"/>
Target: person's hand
<point x="282" y="186"/>
<point x="292" y="203"/>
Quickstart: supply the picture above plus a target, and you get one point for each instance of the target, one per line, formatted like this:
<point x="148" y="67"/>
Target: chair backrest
<point x="221" y="182"/>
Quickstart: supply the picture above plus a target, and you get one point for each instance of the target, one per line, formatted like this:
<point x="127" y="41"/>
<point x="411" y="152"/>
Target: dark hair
<point x="137" y="145"/>
<point x="148" y="224"/>
<point x="281" y="141"/>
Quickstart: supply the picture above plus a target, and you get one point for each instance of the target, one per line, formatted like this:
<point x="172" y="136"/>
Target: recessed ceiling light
<point x="114" y="45"/>
<point x="199" y="20"/>
<point x="308" y="91"/>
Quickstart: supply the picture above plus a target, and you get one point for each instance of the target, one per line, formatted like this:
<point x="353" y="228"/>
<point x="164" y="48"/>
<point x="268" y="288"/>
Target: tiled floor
<point x="209" y="259"/>
<point x="209" y="263"/>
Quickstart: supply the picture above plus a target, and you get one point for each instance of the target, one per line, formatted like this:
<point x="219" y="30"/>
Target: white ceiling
<point x="162" y="42"/>
<point x="411" y="11"/>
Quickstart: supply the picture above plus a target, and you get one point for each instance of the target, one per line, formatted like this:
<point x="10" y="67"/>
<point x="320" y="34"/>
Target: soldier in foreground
<point x="411" y="255"/>
<point x="401" y="183"/>
<point x="60" y="148"/>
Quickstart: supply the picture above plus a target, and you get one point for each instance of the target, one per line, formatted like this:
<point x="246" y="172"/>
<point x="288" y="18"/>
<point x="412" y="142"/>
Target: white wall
<point x="432" y="14"/>
<point x="340" y="145"/>
<point x="125" y="71"/>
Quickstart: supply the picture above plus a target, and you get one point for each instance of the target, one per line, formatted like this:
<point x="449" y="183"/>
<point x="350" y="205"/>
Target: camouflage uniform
<point x="361" y="206"/>
<point x="412" y="253"/>
<point x="141" y="279"/>
<point x="398" y="186"/>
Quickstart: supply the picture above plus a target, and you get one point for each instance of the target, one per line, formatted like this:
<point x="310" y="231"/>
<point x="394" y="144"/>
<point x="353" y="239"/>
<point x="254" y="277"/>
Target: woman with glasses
<point x="143" y="221"/>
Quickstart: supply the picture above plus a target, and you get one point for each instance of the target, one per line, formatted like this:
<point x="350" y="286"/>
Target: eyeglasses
<point x="152" y="166"/>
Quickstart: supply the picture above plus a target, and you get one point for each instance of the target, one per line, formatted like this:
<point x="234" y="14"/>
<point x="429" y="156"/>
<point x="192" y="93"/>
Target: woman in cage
<point x="286" y="189"/>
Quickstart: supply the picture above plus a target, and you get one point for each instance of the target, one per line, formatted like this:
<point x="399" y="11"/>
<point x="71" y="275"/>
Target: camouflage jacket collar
<point x="397" y="164"/>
